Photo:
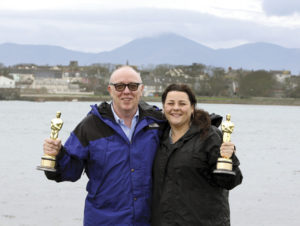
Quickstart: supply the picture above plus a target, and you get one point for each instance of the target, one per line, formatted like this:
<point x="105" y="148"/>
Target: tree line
<point x="205" y="80"/>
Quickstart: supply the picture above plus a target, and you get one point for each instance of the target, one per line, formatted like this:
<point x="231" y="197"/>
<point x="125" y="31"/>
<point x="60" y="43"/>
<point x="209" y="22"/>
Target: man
<point x="115" y="145"/>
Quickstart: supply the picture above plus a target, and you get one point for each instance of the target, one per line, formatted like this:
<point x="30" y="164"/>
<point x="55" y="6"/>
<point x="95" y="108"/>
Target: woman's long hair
<point x="199" y="117"/>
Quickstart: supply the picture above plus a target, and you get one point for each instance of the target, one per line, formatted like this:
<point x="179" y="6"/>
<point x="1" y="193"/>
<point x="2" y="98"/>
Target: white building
<point x="22" y="78"/>
<point x="55" y="85"/>
<point x="6" y="82"/>
<point x="281" y="76"/>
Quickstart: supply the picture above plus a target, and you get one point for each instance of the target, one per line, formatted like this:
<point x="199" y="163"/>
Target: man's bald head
<point x="125" y="101"/>
<point x="125" y="71"/>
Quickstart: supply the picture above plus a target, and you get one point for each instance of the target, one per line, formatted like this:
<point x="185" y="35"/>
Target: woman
<point x="186" y="191"/>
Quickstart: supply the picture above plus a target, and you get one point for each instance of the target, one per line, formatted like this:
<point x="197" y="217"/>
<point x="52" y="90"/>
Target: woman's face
<point x="178" y="109"/>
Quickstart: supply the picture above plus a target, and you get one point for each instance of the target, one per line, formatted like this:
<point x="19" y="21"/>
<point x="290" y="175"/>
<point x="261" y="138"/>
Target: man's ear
<point x="109" y="89"/>
<point x="142" y="87"/>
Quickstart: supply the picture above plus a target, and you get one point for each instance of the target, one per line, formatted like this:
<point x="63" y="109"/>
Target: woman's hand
<point x="227" y="149"/>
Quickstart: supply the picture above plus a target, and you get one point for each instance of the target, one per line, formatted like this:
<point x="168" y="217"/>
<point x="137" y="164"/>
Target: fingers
<point x="227" y="149"/>
<point x="52" y="147"/>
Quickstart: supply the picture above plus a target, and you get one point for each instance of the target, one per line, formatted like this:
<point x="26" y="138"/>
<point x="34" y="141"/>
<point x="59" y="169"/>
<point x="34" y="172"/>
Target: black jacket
<point x="186" y="192"/>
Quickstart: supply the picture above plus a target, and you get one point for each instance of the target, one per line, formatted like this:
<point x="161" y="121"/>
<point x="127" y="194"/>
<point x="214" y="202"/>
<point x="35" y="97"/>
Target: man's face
<point x="125" y="101"/>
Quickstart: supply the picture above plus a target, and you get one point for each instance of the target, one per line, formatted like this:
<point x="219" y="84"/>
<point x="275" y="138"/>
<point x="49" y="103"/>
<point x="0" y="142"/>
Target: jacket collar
<point x="193" y="130"/>
<point x="145" y="110"/>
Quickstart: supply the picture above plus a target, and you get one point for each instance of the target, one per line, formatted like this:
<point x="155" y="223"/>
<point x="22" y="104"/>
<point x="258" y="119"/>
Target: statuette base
<point x="228" y="172"/>
<point x="46" y="169"/>
<point x="47" y="163"/>
<point x="224" y="166"/>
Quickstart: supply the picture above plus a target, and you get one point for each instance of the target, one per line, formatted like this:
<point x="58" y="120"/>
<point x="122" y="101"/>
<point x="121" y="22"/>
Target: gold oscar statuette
<point x="224" y="165"/>
<point x="48" y="161"/>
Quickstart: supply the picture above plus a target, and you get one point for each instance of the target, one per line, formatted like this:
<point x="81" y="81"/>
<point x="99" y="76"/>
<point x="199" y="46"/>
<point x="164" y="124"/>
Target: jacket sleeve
<point x="70" y="162"/>
<point x="227" y="181"/>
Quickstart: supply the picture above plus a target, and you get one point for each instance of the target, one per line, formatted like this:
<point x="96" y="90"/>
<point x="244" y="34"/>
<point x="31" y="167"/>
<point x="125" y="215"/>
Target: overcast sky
<point x="102" y="25"/>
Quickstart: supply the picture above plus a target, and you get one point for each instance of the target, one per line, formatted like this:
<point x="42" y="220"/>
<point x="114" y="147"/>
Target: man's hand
<point x="227" y="149"/>
<point x="52" y="147"/>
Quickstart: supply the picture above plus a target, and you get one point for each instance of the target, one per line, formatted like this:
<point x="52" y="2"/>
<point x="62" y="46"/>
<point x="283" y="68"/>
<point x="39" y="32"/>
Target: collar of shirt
<point x="170" y="136"/>
<point x="128" y="131"/>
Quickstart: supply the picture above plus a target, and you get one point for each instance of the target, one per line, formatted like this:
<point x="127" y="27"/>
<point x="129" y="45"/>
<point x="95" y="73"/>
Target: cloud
<point x="96" y="31"/>
<point x="281" y="7"/>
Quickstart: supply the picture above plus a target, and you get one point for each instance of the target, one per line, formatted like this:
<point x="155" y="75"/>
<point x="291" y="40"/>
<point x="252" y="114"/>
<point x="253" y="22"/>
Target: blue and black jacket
<point x="119" y="170"/>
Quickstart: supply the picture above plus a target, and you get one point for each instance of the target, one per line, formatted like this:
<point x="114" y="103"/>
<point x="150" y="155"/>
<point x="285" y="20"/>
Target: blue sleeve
<point x="70" y="162"/>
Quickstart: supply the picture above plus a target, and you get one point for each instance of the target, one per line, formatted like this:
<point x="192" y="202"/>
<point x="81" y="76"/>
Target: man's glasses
<point x="120" y="87"/>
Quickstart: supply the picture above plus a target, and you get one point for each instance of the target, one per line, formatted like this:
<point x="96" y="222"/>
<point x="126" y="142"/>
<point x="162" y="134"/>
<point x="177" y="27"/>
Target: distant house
<point x="41" y="73"/>
<point x="26" y="66"/>
<point x="281" y="76"/>
<point x="22" y="77"/>
<point x="152" y="84"/>
<point x="176" y="72"/>
<point x="55" y="85"/>
<point x="6" y="82"/>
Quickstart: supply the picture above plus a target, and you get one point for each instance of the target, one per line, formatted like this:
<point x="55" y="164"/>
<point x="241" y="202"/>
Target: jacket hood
<point x="216" y="120"/>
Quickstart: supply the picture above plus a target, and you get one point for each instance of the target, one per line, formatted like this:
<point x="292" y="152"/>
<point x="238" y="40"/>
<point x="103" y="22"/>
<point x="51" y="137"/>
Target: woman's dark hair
<point x="200" y="117"/>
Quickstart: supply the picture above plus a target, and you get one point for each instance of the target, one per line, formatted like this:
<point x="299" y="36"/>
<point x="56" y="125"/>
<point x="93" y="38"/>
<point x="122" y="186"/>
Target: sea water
<point x="266" y="137"/>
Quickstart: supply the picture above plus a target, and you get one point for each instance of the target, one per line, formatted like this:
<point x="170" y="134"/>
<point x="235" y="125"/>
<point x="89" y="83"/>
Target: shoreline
<point x="200" y="99"/>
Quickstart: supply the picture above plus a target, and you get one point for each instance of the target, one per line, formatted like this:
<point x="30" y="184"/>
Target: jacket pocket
<point x="111" y="202"/>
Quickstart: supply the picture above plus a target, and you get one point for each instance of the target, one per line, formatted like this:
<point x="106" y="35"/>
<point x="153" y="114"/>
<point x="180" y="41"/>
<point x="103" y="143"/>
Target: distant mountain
<point x="260" y="56"/>
<point x="168" y="48"/>
<point x="11" y="54"/>
<point x="163" y="49"/>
